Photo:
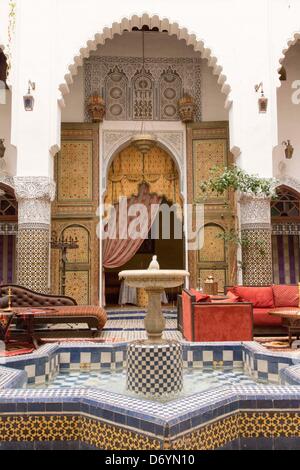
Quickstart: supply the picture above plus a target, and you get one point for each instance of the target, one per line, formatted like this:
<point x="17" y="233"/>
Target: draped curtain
<point x="121" y="244"/>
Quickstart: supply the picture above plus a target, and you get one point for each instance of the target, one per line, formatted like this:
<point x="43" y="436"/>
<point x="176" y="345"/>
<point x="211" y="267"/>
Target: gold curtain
<point x="130" y="169"/>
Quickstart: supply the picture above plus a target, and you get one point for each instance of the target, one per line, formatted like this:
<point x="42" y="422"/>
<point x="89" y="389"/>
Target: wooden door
<point x="208" y="146"/>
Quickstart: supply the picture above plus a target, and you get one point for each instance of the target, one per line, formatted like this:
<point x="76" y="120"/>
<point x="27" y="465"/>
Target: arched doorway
<point x="285" y="211"/>
<point x="154" y="178"/>
<point x="8" y="234"/>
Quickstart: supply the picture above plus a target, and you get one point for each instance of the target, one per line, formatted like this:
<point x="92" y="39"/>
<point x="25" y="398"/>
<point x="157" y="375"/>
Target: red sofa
<point x="214" y="322"/>
<point x="265" y="299"/>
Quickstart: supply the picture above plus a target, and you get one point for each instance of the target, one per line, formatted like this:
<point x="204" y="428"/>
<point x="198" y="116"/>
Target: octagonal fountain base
<point x="155" y="370"/>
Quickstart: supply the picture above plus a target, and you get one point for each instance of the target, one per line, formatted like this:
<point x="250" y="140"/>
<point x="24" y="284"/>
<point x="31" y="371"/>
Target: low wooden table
<point x="28" y="316"/>
<point x="290" y="321"/>
<point x="4" y="326"/>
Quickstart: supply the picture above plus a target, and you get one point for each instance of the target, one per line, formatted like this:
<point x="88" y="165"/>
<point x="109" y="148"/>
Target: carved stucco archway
<point x="138" y="22"/>
<point x="290" y="43"/>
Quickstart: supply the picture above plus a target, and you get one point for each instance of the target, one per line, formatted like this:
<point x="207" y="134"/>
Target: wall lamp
<point x="289" y="149"/>
<point x="29" y="99"/>
<point x="262" y="101"/>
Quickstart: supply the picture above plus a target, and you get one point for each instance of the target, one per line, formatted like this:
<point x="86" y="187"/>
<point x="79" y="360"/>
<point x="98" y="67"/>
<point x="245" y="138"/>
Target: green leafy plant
<point x="236" y="179"/>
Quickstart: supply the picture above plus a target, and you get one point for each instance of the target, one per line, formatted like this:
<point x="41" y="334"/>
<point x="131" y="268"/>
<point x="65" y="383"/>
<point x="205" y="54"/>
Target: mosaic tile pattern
<point x="257" y="257"/>
<point x="191" y="422"/>
<point x="33" y="258"/>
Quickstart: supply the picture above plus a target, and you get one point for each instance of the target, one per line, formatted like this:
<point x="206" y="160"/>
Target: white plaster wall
<point x="74" y="102"/>
<point x="242" y="40"/>
<point x="156" y="45"/>
<point x="288" y="118"/>
<point x="5" y="133"/>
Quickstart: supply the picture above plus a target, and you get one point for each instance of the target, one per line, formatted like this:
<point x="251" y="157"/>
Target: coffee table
<point x="290" y="321"/>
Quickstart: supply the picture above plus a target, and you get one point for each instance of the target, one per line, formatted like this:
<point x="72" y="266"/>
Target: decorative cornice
<point x="33" y="187"/>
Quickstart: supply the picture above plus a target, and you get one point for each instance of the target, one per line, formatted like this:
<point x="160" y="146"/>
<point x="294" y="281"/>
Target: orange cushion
<point x="260" y="297"/>
<point x="199" y="296"/>
<point x="286" y="296"/>
<point x="263" y="318"/>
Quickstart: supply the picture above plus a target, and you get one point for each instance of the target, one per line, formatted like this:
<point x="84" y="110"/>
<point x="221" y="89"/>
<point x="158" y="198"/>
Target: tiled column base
<point x="257" y="236"/>
<point x="257" y="257"/>
<point x="34" y="195"/>
<point x="155" y="370"/>
<point x="33" y="258"/>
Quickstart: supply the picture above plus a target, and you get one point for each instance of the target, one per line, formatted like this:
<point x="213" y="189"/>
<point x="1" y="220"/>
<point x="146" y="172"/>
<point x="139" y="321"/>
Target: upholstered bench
<point x="55" y="310"/>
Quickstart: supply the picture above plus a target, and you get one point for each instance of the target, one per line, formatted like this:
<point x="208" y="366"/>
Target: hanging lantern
<point x="144" y="142"/>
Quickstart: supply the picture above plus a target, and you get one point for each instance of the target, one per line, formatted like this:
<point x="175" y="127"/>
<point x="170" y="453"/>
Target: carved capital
<point x="33" y="187"/>
<point x="34" y="195"/>
<point x="255" y="211"/>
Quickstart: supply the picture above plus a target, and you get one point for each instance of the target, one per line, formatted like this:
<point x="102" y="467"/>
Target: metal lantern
<point x="144" y="142"/>
<point x="29" y="99"/>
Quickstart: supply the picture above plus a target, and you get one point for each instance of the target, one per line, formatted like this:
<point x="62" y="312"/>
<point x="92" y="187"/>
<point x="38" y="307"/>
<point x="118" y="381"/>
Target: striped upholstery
<point x="286" y="259"/>
<point x="7" y="258"/>
<point x="66" y="313"/>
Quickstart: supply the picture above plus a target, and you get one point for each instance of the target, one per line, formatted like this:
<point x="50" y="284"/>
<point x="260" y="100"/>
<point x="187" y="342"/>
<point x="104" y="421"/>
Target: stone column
<point x="34" y="195"/>
<point x="257" y="235"/>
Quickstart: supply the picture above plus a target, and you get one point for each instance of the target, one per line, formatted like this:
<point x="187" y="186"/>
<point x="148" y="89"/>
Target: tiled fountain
<point x="154" y="366"/>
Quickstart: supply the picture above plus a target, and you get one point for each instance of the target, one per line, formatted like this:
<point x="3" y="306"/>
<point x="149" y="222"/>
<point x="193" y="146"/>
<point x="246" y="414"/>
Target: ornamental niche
<point x="132" y="92"/>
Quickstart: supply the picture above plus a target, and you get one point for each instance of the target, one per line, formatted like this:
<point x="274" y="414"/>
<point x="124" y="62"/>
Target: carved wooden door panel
<point x="208" y="147"/>
<point x="74" y="212"/>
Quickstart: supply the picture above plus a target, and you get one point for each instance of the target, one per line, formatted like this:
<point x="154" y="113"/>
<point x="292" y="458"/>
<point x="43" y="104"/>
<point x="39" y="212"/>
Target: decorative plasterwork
<point x="114" y="141"/>
<point x="34" y="187"/>
<point x="7" y="180"/>
<point x="34" y="195"/>
<point x="153" y="21"/>
<point x="255" y="212"/>
<point x="124" y="84"/>
<point x="292" y="183"/>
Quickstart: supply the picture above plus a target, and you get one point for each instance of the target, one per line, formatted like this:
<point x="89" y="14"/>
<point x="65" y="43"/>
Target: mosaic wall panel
<point x="33" y="257"/>
<point x="124" y="85"/>
<point x="74" y="174"/>
<point x="257" y="257"/>
<point x="77" y="286"/>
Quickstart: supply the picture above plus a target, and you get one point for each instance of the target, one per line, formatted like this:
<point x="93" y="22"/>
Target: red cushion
<point x="286" y="296"/>
<point x="260" y="297"/>
<point x="263" y="318"/>
<point x="199" y="296"/>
